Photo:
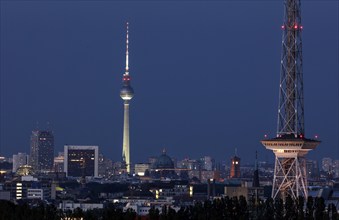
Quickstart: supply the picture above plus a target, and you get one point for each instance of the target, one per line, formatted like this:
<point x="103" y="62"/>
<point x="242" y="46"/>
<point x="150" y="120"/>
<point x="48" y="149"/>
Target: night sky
<point x="205" y="75"/>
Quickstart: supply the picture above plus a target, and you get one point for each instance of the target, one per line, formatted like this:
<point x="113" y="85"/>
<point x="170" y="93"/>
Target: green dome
<point x="25" y="170"/>
<point x="164" y="162"/>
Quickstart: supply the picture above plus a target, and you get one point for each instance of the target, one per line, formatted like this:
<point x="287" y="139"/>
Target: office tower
<point x="207" y="163"/>
<point x="81" y="161"/>
<point x="105" y="166"/>
<point x="235" y="167"/>
<point x="312" y="169"/>
<point x="42" y="150"/>
<point x="126" y="93"/>
<point x="59" y="162"/>
<point x="290" y="145"/>
<point x="19" y="159"/>
<point x="326" y="164"/>
<point x="336" y="168"/>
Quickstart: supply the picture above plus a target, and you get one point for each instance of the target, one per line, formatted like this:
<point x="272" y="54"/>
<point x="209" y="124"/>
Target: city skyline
<point x="207" y="84"/>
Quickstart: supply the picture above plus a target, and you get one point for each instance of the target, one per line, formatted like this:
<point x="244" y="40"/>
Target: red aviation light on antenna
<point x="301" y="27"/>
<point x="301" y="136"/>
<point x="295" y="26"/>
<point x="283" y="27"/>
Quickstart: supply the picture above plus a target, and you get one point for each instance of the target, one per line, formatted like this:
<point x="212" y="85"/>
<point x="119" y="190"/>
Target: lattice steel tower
<point x="290" y="146"/>
<point x="126" y="93"/>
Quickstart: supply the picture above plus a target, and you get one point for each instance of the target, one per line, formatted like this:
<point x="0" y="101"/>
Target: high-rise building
<point x="336" y="168"/>
<point x="105" y="166"/>
<point x="235" y="167"/>
<point x="126" y="93"/>
<point x="312" y="169"/>
<point x="207" y="163"/>
<point x="326" y="164"/>
<point x="19" y="159"/>
<point x="81" y="161"/>
<point x="42" y="150"/>
<point x="59" y="162"/>
<point x="290" y="145"/>
<point x="190" y="164"/>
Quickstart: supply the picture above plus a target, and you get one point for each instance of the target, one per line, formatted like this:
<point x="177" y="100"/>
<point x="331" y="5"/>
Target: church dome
<point x="25" y="170"/>
<point x="164" y="162"/>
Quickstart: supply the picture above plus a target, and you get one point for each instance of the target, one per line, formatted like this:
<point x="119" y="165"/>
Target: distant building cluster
<point x="330" y="167"/>
<point x="161" y="180"/>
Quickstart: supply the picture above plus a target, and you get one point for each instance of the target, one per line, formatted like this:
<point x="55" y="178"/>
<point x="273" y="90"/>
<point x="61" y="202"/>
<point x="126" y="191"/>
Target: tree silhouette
<point x="290" y="209"/>
<point x="319" y="208"/>
<point x="309" y="208"/>
<point x="278" y="209"/>
<point x="153" y="213"/>
<point x="268" y="209"/>
<point x="300" y="208"/>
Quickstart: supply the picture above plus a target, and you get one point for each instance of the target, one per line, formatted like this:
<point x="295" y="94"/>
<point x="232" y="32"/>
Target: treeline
<point x="218" y="209"/>
<point x="11" y="211"/>
<point x="239" y="209"/>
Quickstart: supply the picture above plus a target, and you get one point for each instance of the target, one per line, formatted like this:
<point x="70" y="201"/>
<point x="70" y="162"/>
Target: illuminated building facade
<point x="19" y="159"/>
<point x="42" y="150"/>
<point x="59" y="162"/>
<point x="28" y="187"/>
<point x="326" y="164"/>
<point x="81" y="161"/>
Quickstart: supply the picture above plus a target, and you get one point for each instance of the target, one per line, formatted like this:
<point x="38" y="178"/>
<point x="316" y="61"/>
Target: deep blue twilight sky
<point x="205" y="75"/>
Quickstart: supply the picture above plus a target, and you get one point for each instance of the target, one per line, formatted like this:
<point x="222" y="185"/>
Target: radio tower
<point x="126" y="93"/>
<point x="290" y="146"/>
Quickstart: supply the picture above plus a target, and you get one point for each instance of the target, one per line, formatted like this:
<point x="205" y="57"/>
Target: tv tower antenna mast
<point x="290" y="146"/>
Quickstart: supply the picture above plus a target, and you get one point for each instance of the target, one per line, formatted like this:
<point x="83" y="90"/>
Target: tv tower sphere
<point x="126" y="92"/>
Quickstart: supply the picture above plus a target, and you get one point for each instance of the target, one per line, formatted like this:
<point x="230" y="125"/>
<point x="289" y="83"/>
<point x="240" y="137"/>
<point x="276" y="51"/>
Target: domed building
<point x="163" y="166"/>
<point x="164" y="162"/>
<point x="25" y="170"/>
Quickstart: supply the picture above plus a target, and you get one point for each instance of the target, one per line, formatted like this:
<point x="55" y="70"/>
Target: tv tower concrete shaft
<point x="290" y="146"/>
<point x="126" y="93"/>
<point x="125" y="145"/>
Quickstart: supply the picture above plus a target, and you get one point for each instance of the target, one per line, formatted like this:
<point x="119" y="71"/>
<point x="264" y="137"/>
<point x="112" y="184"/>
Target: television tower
<point x="290" y="146"/>
<point x="126" y="93"/>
